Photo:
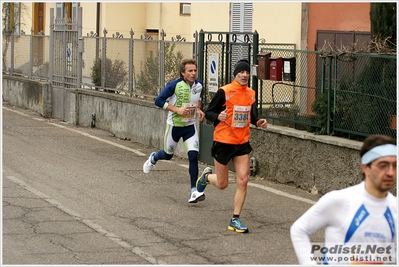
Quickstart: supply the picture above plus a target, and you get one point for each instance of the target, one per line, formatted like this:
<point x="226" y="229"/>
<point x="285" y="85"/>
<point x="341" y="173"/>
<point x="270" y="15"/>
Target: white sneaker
<point x="148" y="165"/>
<point x="196" y="196"/>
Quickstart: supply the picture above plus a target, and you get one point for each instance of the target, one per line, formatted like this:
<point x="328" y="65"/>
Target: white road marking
<point x="139" y="153"/>
<point x="136" y="250"/>
<point x="281" y="193"/>
<point x="272" y="190"/>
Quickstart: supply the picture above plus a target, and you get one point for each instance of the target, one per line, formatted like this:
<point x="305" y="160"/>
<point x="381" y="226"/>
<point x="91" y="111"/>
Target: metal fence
<point x="343" y="94"/>
<point x="348" y="95"/>
<point x="131" y="66"/>
<point x="288" y="102"/>
<point x="26" y="55"/>
<point x="219" y="52"/>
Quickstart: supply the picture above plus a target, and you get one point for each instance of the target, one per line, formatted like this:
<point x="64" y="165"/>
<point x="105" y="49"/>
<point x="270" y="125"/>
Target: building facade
<point x="302" y="24"/>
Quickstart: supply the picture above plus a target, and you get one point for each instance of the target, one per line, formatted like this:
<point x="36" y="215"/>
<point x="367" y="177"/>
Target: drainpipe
<point x="98" y="29"/>
<point x="98" y="19"/>
<point x="160" y="17"/>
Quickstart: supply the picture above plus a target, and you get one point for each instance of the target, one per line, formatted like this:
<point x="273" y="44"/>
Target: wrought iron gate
<point x="65" y="57"/>
<point x="218" y="52"/>
<point x="65" y="60"/>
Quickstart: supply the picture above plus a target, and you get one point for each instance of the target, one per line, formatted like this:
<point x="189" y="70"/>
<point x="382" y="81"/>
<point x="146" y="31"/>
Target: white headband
<point x="378" y="152"/>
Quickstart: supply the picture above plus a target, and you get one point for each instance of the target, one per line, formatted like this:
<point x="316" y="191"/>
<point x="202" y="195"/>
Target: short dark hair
<point x="375" y="140"/>
<point x="184" y="62"/>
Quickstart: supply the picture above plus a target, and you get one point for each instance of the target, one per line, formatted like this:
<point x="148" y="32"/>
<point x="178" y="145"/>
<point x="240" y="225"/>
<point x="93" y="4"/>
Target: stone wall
<point x="29" y="94"/>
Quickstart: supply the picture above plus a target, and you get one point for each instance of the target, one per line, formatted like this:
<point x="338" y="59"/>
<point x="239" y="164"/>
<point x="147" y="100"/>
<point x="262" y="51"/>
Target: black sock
<point x="235" y="216"/>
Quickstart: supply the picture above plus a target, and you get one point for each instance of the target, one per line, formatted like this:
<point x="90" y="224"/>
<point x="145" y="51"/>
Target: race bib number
<point x="241" y="116"/>
<point x="192" y="109"/>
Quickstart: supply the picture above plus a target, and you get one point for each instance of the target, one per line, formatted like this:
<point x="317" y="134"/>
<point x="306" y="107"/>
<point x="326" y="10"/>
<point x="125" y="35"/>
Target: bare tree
<point x="12" y="21"/>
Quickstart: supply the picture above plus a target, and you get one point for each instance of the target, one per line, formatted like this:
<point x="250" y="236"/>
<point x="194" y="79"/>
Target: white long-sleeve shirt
<point x="351" y="216"/>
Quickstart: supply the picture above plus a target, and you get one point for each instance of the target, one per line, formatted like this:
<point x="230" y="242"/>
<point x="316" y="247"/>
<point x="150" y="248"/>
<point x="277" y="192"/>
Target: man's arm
<point x="216" y="106"/>
<point x="320" y="215"/>
<point x="168" y="91"/>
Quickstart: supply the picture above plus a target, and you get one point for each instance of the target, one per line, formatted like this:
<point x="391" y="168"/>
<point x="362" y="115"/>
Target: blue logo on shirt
<point x="360" y="216"/>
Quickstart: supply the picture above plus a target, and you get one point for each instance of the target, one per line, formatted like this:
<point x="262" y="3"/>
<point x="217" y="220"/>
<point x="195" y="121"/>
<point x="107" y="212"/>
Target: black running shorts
<point x="223" y="153"/>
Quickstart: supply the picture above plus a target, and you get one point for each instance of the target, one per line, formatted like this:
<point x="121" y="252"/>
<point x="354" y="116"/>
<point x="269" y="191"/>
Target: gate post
<point x="195" y="48"/>
<point x="201" y="58"/>
<point x="329" y="93"/>
<point x="227" y="78"/>
<point x="80" y="51"/>
<point x="131" y="67"/>
<point x="162" y="62"/>
<point x="31" y="54"/>
<point x="12" y="52"/>
<point x="103" y="56"/>
<point x="254" y="75"/>
<point x="51" y="54"/>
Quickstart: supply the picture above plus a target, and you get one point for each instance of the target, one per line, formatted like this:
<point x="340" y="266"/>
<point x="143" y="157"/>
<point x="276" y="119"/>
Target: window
<point x="341" y="39"/>
<point x="67" y="10"/>
<point x="240" y="21"/>
<point x="185" y="9"/>
<point x="152" y="34"/>
<point x="241" y="17"/>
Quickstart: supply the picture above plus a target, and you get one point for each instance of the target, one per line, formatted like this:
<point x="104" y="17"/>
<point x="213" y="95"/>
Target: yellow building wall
<point x="209" y="16"/>
<point x="123" y="16"/>
<point x="26" y="17"/>
<point x="89" y="17"/>
<point x="153" y="15"/>
<point x="276" y="22"/>
<point x="172" y="22"/>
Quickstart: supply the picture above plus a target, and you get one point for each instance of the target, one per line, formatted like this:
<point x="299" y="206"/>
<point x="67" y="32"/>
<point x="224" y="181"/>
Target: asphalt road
<point x="74" y="195"/>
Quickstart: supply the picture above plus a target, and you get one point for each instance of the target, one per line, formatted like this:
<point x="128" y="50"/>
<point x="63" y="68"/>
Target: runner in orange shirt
<point x="231" y="111"/>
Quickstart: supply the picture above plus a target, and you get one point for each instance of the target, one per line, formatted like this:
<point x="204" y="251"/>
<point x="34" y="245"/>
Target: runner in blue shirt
<point x="182" y="98"/>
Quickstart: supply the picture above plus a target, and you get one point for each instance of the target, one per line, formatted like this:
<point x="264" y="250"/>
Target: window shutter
<point x="75" y="6"/>
<point x="248" y="13"/>
<point x="59" y="10"/>
<point x="74" y="19"/>
<point x="240" y="21"/>
<point x="241" y="17"/>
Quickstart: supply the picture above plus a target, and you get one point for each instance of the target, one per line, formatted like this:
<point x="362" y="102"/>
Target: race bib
<point x="192" y="109"/>
<point x="241" y="116"/>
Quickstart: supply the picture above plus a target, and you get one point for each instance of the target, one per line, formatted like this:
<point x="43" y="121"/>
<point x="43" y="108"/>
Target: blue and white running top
<point x="356" y="225"/>
<point x="180" y="93"/>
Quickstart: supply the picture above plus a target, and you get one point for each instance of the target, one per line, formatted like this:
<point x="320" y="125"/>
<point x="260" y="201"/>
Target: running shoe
<point x="196" y="196"/>
<point x="202" y="181"/>
<point x="236" y="225"/>
<point x="148" y="164"/>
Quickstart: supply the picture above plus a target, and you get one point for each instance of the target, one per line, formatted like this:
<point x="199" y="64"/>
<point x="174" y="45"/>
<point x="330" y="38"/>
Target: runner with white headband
<point x="360" y="221"/>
